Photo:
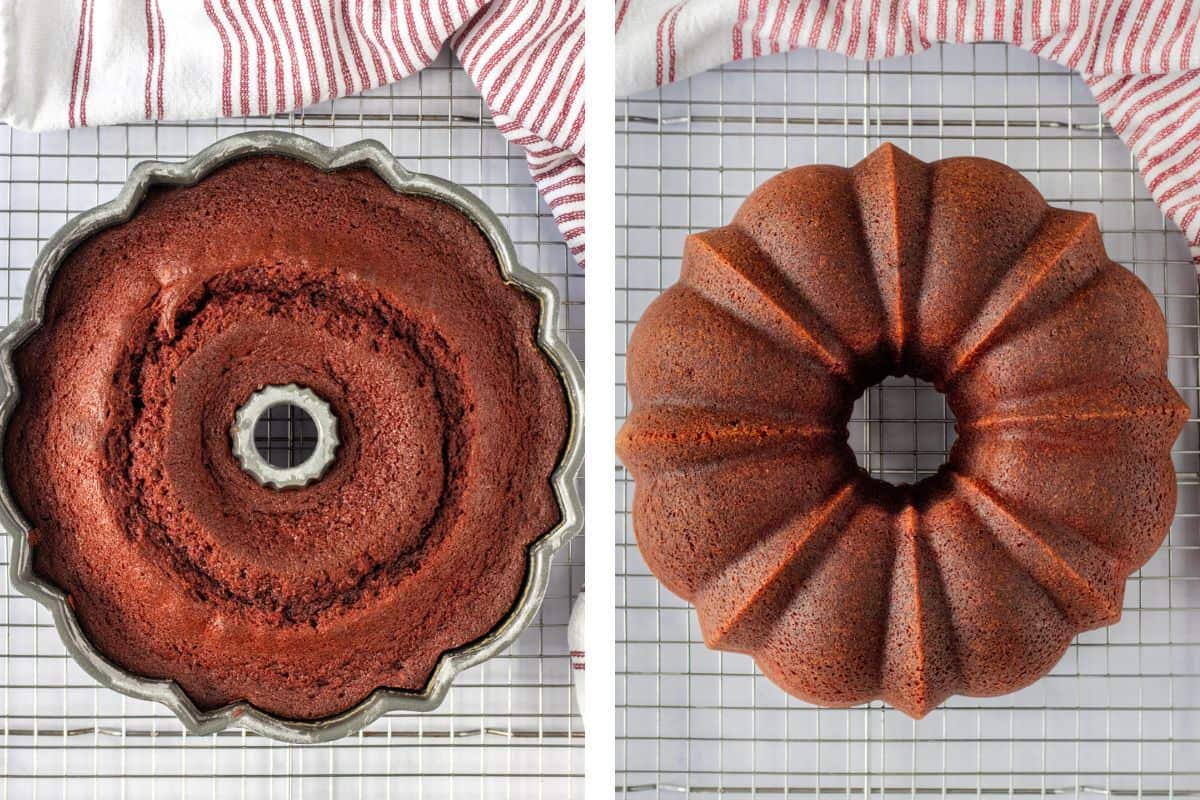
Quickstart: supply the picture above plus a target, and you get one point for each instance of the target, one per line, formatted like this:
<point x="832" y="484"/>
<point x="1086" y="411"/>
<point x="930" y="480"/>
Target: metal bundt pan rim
<point x="374" y="155"/>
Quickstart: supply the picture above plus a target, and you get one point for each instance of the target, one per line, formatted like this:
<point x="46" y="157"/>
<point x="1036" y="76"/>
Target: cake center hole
<point x="902" y="430"/>
<point x="285" y="435"/>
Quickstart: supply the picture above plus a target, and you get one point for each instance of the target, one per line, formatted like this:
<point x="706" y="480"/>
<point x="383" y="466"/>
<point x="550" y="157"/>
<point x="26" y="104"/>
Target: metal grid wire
<point x="285" y="435"/>
<point x="1120" y="715"/>
<point x="508" y="728"/>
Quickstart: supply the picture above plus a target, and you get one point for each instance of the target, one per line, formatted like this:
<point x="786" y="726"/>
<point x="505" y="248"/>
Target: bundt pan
<point x="560" y="364"/>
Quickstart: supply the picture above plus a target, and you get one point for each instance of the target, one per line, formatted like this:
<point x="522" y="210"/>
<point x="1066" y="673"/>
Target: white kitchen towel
<point x="1141" y="58"/>
<point x="575" y="642"/>
<point x="87" y="62"/>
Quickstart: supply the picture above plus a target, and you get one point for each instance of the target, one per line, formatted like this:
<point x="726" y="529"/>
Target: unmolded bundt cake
<point x="392" y="309"/>
<point x="749" y="502"/>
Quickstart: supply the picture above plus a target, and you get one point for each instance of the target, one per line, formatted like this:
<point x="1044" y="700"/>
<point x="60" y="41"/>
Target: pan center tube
<point x="285" y="436"/>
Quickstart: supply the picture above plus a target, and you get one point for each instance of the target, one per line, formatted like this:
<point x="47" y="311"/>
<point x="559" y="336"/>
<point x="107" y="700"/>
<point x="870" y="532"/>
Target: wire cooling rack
<point x="1120" y="715"/>
<point x="508" y="728"/>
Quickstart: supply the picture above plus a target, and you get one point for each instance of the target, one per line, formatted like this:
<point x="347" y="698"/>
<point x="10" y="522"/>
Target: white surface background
<point x="1121" y="712"/>
<point x="509" y="727"/>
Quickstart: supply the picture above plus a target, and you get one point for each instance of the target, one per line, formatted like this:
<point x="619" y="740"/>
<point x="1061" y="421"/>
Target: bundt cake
<point x="844" y="588"/>
<point x="180" y="564"/>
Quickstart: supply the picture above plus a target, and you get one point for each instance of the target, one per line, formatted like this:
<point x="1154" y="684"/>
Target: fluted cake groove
<point x="749" y="502"/>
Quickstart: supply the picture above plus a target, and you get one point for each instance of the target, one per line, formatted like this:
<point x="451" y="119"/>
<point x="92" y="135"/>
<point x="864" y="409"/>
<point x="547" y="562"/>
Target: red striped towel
<point x="1141" y="58"/>
<point x="82" y="62"/>
<point x="576" y="639"/>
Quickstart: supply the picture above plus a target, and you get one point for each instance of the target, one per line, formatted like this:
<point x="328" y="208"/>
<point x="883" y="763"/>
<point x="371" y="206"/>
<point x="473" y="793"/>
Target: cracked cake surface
<point x="391" y="308"/>
<point x="749" y="502"/>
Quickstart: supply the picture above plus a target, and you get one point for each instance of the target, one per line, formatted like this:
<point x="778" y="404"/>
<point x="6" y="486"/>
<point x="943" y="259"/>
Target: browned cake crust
<point x="176" y="561"/>
<point x="844" y="588"/>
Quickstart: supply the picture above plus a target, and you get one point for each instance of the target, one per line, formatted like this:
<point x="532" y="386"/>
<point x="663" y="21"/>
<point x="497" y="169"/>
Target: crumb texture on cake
<point x="749" y="502"/>
<point x="177" y="562"/>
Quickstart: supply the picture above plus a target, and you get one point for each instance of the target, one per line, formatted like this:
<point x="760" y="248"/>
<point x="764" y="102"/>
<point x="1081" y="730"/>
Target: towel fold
<point x="82" y="62"/>
<point x="1141" y="58"/>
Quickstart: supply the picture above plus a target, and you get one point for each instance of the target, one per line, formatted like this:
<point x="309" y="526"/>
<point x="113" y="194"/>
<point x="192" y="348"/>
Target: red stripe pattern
<point x="1141" y="58"/>
<point x="90" y="5"/>
<point x="80" y="45"/>
<point x="278" y="55"/>
<point x="270" y="56"/>
<point x="156" y="56"/>
<point x="151" y="52"/>
<point x="162" y="59"/>
<point x="527" y="60"/>
<point x="238" y="57"/>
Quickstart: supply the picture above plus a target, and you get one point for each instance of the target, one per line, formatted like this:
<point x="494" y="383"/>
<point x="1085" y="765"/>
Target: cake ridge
<point x="991" y="602"/>
<point x="1104" y="609"/>
<point x="680" y="427"/>
<point x="942" y="273"/>
<point x="1154" y="399"/>
<point x="961" y="357"/>
<point x="814" y="528"/>
<point x="916" y="668"/>
<point x="1158" y="386"/>
<point x="711" y="491"/>
<point x="1114" y="295"/>
<point x="1130" y="542"/>
<point x="815" y="335"/>
<point x="897" y="311"/>
<point x="1005" y="268"/>
<point x="685" y="326"/>
<point x="805" y="227"/>
<point x="839" y="659"/>
<point x="893" y="310"/>
<point x="1021" y="421"/>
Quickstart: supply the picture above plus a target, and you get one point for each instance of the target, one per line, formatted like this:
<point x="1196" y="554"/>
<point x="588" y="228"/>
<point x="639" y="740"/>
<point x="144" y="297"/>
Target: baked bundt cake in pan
<point x="389" y="308"/>
<point x="844" y="588"/>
